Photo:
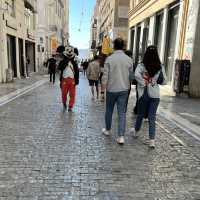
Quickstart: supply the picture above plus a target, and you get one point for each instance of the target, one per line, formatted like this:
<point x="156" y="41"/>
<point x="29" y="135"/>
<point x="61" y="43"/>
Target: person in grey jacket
<point x="115" y="79"/>
<point x="147" y="75"/>
<point x="93" y="74"/>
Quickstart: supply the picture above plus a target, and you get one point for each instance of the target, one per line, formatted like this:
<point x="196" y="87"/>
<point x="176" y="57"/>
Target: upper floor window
<point x="10" y="6"/>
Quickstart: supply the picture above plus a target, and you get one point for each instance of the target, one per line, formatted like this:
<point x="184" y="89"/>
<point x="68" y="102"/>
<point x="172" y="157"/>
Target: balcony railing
<point x="53" y="28"/>
<point x="31" y="4"/>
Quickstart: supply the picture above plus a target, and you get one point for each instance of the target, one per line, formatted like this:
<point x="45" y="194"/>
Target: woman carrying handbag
<point x="148" y="74"/>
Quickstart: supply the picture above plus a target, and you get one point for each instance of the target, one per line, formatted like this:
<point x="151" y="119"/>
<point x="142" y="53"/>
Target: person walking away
<point x="116" y="81"/>
<point x="147" y="75"/>
<point x="129" y="54"/>
<point x="102" y="61"/>
<point x="93" y="73"/>
<point x="27" y="66"/>
<point x="69" y="77"/>
<point x="85" y="66"/>
<point x="51" y="64"/>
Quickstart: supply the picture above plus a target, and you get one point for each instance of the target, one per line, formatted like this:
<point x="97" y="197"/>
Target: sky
<point x="80" y="13"/>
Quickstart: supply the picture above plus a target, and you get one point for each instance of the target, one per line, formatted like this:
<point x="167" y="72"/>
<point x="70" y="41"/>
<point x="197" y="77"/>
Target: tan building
<point x="112" y="19"/>
<point x="17" y="33"/>
<point x="172" y="26"/>
<point x="52" y="27"/>
<point x="93" y="30"/>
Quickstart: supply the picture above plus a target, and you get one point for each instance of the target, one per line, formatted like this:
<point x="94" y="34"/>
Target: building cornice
<point x="145" y="9"/>
<point x="137" y="7"/>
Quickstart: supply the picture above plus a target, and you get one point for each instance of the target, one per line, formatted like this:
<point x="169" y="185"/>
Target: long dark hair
<point x="151" y="60"/>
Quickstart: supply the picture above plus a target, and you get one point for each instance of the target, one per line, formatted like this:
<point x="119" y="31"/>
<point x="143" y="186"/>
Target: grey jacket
<point x="116" y="72"/>
<point x="93" y="71"/>
<point x="152" y="88"/>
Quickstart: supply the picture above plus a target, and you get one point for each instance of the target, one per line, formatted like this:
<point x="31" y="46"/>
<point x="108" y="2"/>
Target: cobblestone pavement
<point x="46" y="154"/>
<point x="20" y="83"/>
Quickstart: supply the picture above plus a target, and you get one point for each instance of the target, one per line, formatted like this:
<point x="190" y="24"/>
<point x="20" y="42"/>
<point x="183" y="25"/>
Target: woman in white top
<point x="148" y="74"/>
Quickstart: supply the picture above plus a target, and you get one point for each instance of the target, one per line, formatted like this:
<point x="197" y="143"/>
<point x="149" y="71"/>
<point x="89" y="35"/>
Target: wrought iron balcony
<point x="31" y="4"/>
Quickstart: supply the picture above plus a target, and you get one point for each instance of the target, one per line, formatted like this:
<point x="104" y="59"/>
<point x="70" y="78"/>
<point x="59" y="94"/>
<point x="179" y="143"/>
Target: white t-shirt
<point x="68" y="71"/>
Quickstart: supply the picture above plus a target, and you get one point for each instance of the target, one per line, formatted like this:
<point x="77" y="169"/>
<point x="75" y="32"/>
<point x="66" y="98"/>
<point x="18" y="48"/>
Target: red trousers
<point x="68" y="86"/>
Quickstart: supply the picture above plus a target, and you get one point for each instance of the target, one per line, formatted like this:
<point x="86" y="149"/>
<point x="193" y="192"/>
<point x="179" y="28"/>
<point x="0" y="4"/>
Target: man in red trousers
<point x="69" y="77"/>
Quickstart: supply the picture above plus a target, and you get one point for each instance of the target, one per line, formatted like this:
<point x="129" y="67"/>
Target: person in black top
<point x="51" y="64"/>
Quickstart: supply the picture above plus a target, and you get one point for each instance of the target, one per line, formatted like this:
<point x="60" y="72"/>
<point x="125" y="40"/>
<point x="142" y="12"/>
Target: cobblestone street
<point x="46" y="154"/>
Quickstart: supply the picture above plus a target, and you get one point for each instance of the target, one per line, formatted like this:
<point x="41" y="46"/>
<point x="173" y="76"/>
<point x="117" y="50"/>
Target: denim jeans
<point x="119" y="98"/>
<point x="147" y="105"/>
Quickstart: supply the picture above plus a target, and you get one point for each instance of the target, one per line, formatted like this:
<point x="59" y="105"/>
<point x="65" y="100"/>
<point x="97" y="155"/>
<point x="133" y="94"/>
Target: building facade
<point x="52" y="27"/>
<point x="171" y="25"/>
<point x="93" y="30"/>
<point x="110" y="20"/>
<point x="17" y="34"/>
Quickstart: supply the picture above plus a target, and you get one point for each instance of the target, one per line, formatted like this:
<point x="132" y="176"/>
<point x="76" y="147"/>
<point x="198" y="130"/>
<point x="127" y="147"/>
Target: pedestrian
<point x="147" y="75"/>
<point x="117" y="69"/>
<point x="93" y="74"/>
<point x="85" y="66"/>
<point x="102" y="61"/>
<point x="69" y="77"/>
<point x="51" y="64"/>
<point x="27" y="66"/>
<point x="130" y="54"/>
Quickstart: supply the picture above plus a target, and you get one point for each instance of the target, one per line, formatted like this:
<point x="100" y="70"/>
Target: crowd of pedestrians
<point x="111" y="78"/>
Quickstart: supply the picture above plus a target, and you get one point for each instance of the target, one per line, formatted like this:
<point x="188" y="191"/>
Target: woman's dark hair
<point x="118" y="44"/>
<point x="151" y="60"/>
<point x="129" y="53"/>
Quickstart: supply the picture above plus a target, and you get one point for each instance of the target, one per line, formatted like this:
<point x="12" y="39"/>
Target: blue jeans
<point x="121" y="99"/>
<point x="147" y="105"/>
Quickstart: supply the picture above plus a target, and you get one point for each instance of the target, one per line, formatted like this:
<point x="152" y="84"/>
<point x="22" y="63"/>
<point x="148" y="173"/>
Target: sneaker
<point x="105" y="132"/>
<point x="152" y="144"/>
<point x="64" y="106"/>
<point x="134" y="133"/>
<point x="69" y="109"/>
<point x="120" y="140"/>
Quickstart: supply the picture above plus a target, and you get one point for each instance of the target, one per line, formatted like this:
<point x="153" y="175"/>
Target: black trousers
<point x="52" y="74"/>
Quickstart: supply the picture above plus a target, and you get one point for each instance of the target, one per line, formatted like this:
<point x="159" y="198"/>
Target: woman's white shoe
<point x="105" y="132"/>
<point x="152" y="144"/>
<point x="120" y="140"/>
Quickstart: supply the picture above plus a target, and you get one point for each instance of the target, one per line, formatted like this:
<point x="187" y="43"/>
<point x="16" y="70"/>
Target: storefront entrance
<point x="11" y="52"/>
<point x="171" y="41"/>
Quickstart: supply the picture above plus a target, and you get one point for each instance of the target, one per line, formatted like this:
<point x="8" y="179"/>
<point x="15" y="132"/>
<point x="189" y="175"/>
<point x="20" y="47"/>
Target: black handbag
<point x="160" y="79"/>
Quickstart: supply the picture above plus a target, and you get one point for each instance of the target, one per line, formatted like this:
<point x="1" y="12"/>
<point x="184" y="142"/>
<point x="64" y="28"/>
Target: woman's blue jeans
<point x="149" y="105"/>
<point x="119" y="98"/>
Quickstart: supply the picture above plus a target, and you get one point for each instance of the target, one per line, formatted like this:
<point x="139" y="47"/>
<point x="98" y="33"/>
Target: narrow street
<point x="46" y="154"/>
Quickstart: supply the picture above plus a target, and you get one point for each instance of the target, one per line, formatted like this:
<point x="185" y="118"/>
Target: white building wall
<point x="191" y="29"/>
<point x="15" y="26"/>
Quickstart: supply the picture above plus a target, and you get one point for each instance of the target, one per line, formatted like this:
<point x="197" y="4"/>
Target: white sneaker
<point x="120" y="140"/>
<point x="105" y="132"/>
<point x="134" y="133"/>
<point x="152" y="144"/>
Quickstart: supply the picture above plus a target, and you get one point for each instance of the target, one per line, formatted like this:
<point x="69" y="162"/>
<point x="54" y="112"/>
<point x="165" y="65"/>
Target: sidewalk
<point x="10" y="91"/>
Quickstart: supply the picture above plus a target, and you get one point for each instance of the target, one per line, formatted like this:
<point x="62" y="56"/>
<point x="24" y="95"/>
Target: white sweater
<point x="152" y="88"/>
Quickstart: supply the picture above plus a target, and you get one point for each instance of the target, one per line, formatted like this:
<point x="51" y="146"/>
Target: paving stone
<point x="46" y="154"/>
